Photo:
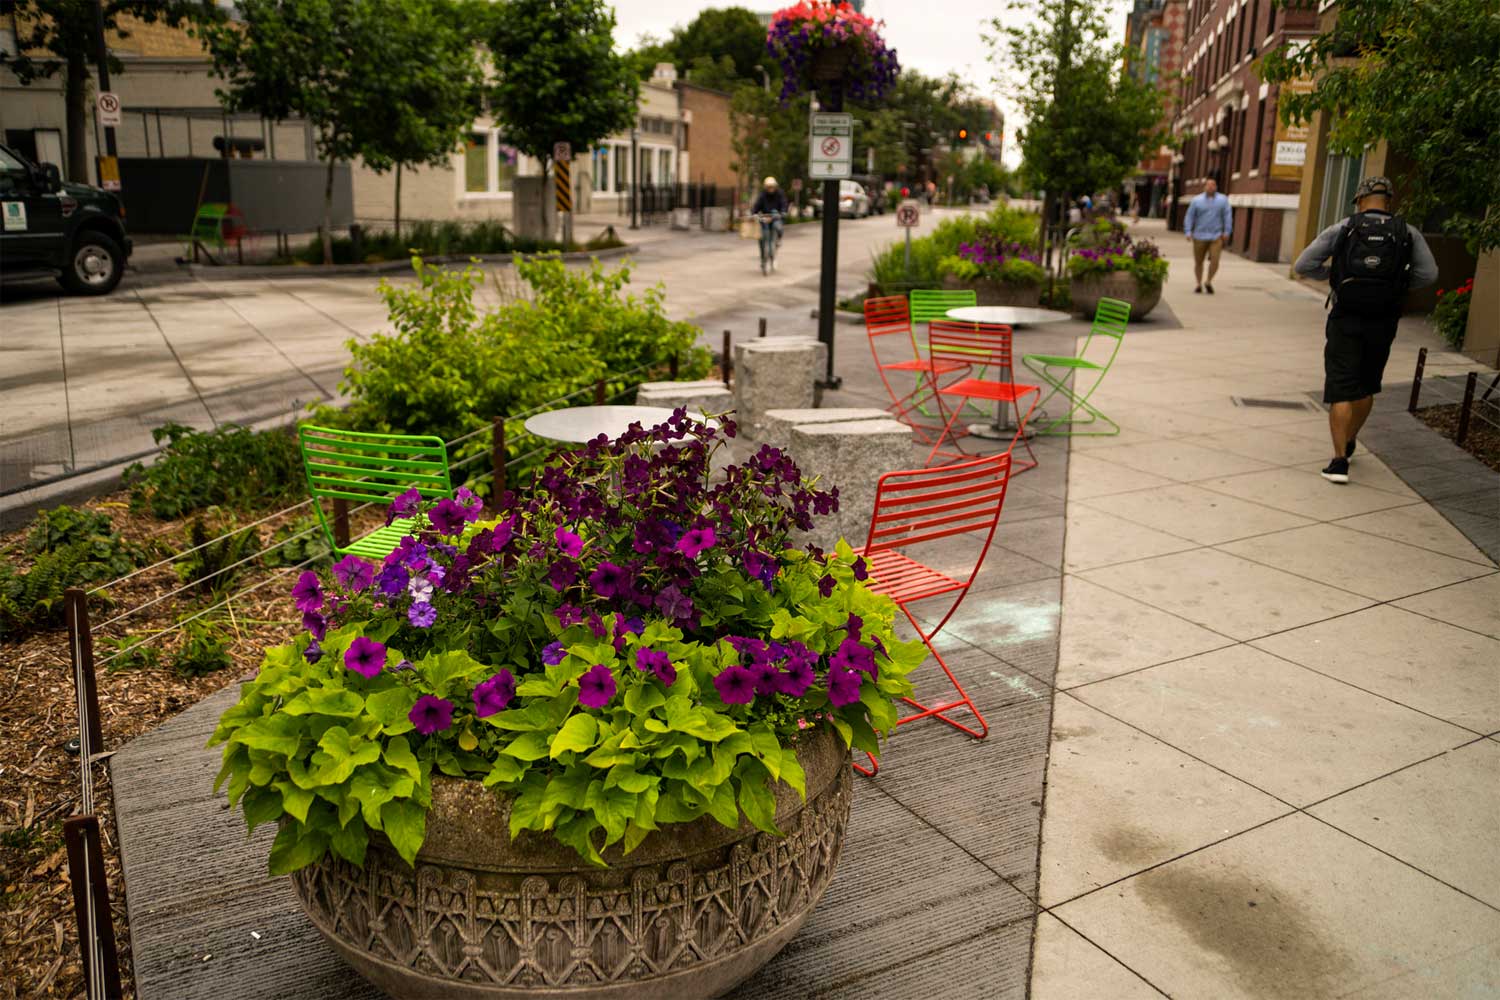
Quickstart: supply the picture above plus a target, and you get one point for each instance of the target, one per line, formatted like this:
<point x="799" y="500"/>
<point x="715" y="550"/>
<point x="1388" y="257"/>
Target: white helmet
<point x="768" y="183"/>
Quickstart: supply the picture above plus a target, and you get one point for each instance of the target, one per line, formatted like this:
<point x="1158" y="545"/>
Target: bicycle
<point x="768" y="241"/>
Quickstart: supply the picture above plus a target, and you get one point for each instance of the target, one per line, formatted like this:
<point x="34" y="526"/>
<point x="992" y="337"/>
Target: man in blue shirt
<point x="1210" y="221"/>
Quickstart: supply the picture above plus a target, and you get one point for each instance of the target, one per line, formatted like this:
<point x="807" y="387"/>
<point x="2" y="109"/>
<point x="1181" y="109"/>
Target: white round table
<point x="580" y="424"/>
<point x="1007" y="315"/>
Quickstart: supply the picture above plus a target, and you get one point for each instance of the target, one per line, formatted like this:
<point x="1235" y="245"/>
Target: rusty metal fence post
<point x="728" y="364"/>
<point x="96" y="928"/>
<point x="1416" y="381"/>
<point x="341" y="522"/>
<point x="1464" y="410"/>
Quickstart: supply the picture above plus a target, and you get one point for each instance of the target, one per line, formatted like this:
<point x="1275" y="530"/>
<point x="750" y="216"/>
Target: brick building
<point x="1227" y="119"/>
<point x="707" y="142"/>
<point x="1154" y="31"/>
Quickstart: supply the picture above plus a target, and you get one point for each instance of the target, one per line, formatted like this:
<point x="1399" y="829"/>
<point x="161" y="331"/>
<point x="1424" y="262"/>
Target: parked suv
<point x="73" y="231"/>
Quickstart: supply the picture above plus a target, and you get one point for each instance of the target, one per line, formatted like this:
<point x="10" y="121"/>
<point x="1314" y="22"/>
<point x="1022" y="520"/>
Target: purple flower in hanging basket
<point x="313" y="653"/>
<point x="696" y="542"/>
<point x="431" y="714"/>
<point x="608" y="579"/>
<point x="448" y="517"/>
<point x="315" y="623"/>
<point x="570" y="544"/>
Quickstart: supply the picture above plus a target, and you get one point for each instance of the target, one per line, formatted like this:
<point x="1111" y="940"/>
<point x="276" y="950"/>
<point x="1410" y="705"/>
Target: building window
<point x="622" y="168"/>
<point x="599" y="168"/>
<point x="1260" y="125"/>
<point x="1339" y="181"/>
<point x="477" y="163"/>
<point x="666" y="166"/>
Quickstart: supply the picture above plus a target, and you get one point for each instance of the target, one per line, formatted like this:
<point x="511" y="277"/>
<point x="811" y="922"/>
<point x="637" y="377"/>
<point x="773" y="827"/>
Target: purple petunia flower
<point x="405" y="664"/>
<point x="766" y="677"/>
<point x="315" y="623"/>
<point x="392" y="579"/>
<point x="854" y="626"/>
<point x="553" y="654"/>
<point x="365" y="657"/>
<point x="570" y="544"/>
<point x="826" y="585"/>
<point x="658" y="663"/>
<point x="568" y="614"/>
<point x="470" y="502"/>
<point x="353" y="573"/>
<point x="404" y="504"/>
<point x="673" y="603"/>
<point x="448" y="517"/>
<point x="697" y="541"/>
<point x="431" y="714"/>
<point x="421" y="614"/>
<point x="307" y="594"/>
<point x="736" y="685"/>
<point x="608" y="579"/>
<point x="597" y="687"/>
<point x="504" y="532"/>
<point x="843" y="687"/>
<point x="761" y="566"/>
<point x="313" y="653"/>
<point x="861" y="570"/>
<point x="562" y="574"/>
<point x="412" y="553"/>
<point x="494" y="695"/>
<point x="852" y="656"/>
<point x="796" y="677"/>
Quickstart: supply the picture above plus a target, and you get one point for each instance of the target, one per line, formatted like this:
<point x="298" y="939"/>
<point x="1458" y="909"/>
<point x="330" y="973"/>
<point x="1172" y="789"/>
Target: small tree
<point x="1426" y="78"/>
<point x="53" y="35"/>
<point x="1088" y="122"/>
<point x="557" y="77"/>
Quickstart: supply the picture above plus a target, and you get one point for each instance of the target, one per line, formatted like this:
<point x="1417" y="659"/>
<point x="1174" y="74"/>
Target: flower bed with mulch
<point x="1483" y="439"/>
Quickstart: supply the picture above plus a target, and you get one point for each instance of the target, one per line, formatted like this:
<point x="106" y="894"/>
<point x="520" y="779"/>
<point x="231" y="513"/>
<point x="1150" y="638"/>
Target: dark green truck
<point x="72" y="231"/>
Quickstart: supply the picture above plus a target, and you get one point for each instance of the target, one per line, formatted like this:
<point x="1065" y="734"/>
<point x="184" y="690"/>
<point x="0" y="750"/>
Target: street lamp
<point x="635" y="165"/>
<point x="765" y="78"/>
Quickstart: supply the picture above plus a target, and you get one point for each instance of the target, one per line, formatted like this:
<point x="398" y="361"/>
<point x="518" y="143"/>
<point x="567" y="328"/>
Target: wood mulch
<point x="39" y="779"/>
<point x="1483" y="439"/>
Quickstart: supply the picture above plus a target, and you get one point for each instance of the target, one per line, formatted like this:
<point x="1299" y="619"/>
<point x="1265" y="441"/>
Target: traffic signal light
<point x="989" y="137"/>
<point x="963" y="134"/>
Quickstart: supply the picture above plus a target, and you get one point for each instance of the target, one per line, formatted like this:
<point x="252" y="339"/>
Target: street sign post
<point x="908" y="215"/>
<point x="562" y="182"/>
<point x="562" y="152"/>
<point x="831" y="147"/>
<point x="107" y="108"/>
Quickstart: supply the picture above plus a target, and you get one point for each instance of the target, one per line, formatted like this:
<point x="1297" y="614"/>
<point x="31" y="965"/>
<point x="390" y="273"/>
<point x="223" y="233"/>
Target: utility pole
<point x="110" y="148"/>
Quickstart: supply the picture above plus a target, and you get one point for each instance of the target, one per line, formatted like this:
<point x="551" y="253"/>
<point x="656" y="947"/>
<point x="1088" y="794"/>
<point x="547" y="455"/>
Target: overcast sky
<point x="936" y="36"/>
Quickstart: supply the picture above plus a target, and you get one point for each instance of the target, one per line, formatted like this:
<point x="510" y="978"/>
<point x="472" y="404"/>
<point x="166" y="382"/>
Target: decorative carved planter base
<point x="693" y="911"/>
<point x="1087" y="291"/>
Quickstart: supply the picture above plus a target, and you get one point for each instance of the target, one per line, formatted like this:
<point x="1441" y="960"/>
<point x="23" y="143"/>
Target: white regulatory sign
<point x="107" y="108"/>
<point x="562" y="152"/>
<point x="831" y="146"/>
<point x="908" y="215"/>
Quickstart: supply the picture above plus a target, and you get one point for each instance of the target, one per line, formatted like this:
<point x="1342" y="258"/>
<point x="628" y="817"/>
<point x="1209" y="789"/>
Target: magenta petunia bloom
<point x="448" y="517"/>
<point x="365" y="657"/>
<point x="852" y="656"/>
<point x="421" y="614"/>
<point x="854" y="626"/>
<point x="608" y="579"/>
<point x="673" y="603"/>
<point x="353" y="573"/>
<point x="307" y="593"/>
<point x="736" y="686"/>
<point x="843" y="686"/>
<point x="392" y="579"/>
<point x="553" y="654"/>
<point x="697" y="541"/>
<point x="469" y="500"/>
<point x="570" y="544"/>
<point x="494" y="695"/>
<point x="431" y="714"/>
<point x="315" y="623"/>
<point x="796" y="678"/>
<point x="597" y="687"/>
<point x="404" y="504"/>
<point x="504" y="532"/>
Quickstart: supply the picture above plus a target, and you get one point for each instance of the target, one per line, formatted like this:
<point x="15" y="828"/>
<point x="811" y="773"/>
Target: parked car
<point x="875" y="187"/>
<point x="854" y="202"/>
<point x="72" y="231"/>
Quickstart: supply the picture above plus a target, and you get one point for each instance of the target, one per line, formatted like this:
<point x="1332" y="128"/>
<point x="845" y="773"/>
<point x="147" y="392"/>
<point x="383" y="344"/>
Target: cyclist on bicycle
<point x="771" y="201"/>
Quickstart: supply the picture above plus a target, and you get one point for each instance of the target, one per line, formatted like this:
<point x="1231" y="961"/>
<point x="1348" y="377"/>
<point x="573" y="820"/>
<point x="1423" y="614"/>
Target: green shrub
<point x="441" y="239"/>
<point x="285" y="549"/>
<point x="33" y="598"/>
<point x="229" y="466"/>
<point x="60" y="526"/>
<point x="130" y="652"/>
<point x="958" y="267"/>
<point x="930" y="253"/>
<point x="214" y="562"/>
<point x="1451" y="314"/>
<point x="204" y="650"/>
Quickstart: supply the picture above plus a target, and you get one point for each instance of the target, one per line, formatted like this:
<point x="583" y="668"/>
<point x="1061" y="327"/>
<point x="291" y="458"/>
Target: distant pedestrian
<point x="1369" y="259"/>
<point x="1210" y="222"/>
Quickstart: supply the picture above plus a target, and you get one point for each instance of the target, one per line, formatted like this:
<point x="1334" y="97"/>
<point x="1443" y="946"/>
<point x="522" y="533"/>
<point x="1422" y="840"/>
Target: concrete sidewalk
<point x="1273" y="769"/>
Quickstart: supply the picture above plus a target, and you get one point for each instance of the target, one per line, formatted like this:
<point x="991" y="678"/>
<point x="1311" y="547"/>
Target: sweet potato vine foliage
<point x="637" y="642"/>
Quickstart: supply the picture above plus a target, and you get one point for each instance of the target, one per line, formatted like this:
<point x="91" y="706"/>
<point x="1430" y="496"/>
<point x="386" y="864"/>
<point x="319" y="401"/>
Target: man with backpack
<point x="1370" y="260"/>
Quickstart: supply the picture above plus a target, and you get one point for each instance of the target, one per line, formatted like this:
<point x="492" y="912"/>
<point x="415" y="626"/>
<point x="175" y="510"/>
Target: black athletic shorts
<point x="1354" y="355"/>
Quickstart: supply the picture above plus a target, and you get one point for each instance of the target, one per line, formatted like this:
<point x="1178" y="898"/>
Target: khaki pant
<point x="1211" y="250"/>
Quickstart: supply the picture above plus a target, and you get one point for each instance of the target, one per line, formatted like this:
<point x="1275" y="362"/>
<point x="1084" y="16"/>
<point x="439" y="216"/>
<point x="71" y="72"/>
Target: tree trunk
<point x="75" y="100"/>
<point x="398" y="201"/>
<point x="328" y="216"/>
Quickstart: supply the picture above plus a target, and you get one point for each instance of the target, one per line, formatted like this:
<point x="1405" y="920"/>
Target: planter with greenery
<point x="1001" y="226"/>
<point x="596" y="744"/>
<point x="1117" y="268"/>
<point x="1001" y="274"/>
<point x="817" y="42"/>
<point x="1451" y="314"/>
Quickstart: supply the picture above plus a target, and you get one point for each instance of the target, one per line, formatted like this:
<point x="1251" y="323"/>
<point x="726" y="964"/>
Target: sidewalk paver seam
<point x="1121" y="962"/>
<point x="171" y="348"/>
<point x="62" y="347"/>
<point x="275" y="347"/>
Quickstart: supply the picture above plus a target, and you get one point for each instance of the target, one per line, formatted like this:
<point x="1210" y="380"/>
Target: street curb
<point x="234" y="272"/>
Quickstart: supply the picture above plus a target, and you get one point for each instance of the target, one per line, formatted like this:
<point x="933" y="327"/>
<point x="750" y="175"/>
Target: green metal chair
<point x="370" y="468"/>
<point x="932" y="304"/>
<point x="1110" y="321"/>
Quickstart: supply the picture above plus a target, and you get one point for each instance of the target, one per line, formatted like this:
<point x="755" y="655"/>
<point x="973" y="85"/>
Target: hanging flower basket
<point x="820" y="42"/>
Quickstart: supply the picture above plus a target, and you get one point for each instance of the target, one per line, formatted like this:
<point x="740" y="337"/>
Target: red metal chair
<point x="887" y="316"/>
<point x="921" y="506"/>
<point x="988" y="348"/>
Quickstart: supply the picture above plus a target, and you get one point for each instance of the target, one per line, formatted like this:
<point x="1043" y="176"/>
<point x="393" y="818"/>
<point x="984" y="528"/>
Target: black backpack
<point x="1372" y="265"/>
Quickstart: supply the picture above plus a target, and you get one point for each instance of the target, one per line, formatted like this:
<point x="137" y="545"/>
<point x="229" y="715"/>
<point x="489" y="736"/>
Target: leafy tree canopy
<point x="1424" y="76"/>
<point x="1088" y="122"/>
<point x="557" y="76"/>
<point x="717" y="34"/>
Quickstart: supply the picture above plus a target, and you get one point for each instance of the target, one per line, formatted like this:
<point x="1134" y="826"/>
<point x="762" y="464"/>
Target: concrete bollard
<point x="775" y="373"/>
<point x="707" y="396"/>
<point x="777" y="425"/>
<point x="852" y="455"/>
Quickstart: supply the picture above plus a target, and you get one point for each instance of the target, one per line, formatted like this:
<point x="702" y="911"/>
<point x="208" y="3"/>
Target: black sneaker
<point x="1337" y="471"/>
<point x="1209" y="289"/>
<point x="1349" y="449"/>
<point x="1198" y="290"/>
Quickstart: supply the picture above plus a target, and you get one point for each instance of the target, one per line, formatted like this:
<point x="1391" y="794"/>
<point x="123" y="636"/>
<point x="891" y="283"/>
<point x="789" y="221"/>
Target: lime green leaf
<point x="642" y="698"/>
<point x="722" y="808"/>
<point x="373" y="786"/>
<point x="339" y="702"/>
<point x="528" y="746"/>
<point x="579" y="733"/>
<point x="391" y="708"/>
<point x="294" y="800"/>
<point x="398" y="754"/>
<point x="567" y="789"/>
<point x="405" y="825"/>
<point x="350" y="843"/>
<point x="261" y="805"/>
<point x="756" y="797"/>
<point x="577" y="834"/>
<point x="296" y="847"/>
<point x="276" y="733"/>
<point x="504" y="771"/>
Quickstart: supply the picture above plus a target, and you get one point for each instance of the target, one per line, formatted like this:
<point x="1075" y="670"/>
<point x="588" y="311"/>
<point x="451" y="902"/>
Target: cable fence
<point x="1463" y="391"/>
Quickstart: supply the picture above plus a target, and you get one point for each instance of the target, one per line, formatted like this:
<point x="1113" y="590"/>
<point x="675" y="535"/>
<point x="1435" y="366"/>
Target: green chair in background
<point x="930" y="305"/>
<point x="370" y="468"/>
<point x="1110" y="321"/>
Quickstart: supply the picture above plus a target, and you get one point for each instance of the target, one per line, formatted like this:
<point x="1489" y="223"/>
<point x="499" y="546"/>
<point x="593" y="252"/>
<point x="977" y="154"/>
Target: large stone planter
<point x="989" y="292"/>
<point x="1089" y="289"/>
<point x="695" y="909"/>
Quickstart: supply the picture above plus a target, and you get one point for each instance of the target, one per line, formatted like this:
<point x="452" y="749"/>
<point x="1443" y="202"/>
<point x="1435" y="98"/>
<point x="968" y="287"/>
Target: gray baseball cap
<point x="1373" y="185"/>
